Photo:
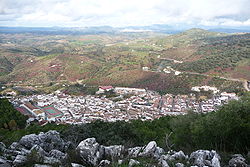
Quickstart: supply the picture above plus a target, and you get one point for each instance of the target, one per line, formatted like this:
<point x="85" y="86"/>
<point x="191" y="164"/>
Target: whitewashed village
<point x="128" y="104"/>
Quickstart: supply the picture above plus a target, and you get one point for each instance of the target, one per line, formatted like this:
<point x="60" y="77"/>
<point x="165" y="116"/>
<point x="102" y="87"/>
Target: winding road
<point x="243" y="81"/>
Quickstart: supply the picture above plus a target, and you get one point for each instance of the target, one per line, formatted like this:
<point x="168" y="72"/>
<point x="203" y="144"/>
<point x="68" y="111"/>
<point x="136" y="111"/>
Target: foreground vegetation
<point x="227" y="130"/>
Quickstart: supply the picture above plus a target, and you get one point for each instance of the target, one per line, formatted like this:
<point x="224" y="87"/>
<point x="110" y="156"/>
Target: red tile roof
<point x="106" y="87"/>
<point x="30" y="106"/>
<point x="23" y="111"/>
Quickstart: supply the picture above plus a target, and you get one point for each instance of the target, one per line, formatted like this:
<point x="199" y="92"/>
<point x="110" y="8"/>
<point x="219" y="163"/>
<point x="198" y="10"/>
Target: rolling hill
<point x="109" y="59"/>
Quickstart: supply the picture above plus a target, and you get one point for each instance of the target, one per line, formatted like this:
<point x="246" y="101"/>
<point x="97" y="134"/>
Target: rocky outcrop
<point x="2" y="147"/>
<point x="133" y="162"/>
<point x="76" y="165"/>
<point x="45" y="148"/>
<point x="48" y="149"/>
<point x="175" y="156"/>
<point x="90" y="151"/>
<point x="237" y="161"/>
<point x="114" y="152"/>
<point x="202" y="158"/>
<point x="20" y="160"/>
<point x="149" y="150"/>
<point x="48" y="141"/>
<point x="134" y="152"/>
<point x="104" y="163"/>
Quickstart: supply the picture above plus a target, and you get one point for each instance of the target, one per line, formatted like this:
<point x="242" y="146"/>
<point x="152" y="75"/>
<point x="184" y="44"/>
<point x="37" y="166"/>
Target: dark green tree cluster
<point x="10" y="118"/>
<point x="129" y="134"/>
<point x="227" y="129"/>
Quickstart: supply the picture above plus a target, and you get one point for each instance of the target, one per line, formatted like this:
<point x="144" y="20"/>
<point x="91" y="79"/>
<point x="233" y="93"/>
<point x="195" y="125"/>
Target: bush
<point x="10" y="117"/>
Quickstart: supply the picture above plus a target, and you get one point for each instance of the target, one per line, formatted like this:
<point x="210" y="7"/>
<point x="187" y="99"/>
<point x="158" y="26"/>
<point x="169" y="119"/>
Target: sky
<point x="120" y="13"/>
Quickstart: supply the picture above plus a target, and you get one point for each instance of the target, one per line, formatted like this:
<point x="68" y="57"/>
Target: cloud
<point x="124" y="12"/>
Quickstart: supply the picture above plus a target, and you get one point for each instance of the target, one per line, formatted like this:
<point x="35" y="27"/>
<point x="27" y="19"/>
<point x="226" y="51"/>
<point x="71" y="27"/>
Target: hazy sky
<point x="76" y="13"/>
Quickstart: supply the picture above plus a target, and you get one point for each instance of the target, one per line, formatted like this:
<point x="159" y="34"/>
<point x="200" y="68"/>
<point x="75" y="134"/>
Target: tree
<point x="12" y="125"/>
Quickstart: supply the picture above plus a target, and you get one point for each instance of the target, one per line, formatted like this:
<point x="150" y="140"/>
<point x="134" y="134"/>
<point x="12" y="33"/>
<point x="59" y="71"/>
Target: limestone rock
<point x="120" y="161"/>
<point x="37" y="152"/>
<point x="76" y="165"/>
<point x="52" y="140"/>
<point x="149" y="150"/>
<point x="216" y="161"/>
<point x="178" y="156"/>
<point x="104" y="163"/>
<point x="20" y="160"/>
<point x="57" y="154"/>
<point x="38" y="165"/>
<point x="133" y="162"/>
<point x="202" y="158"/>
<point x="90" y="151"/>
<point x="3" y="160"/>
<point x="179" y="165"/>
<point x="114" y="152"/>
<point x="134" y="152"/>
<point x="51" y="161"/>
<point x="30" y="140"/>
<point x="5" y="165"/>
<point x="2" y="147"/>
<point x="163" y="163"/>
<point x="48" y="141"/>
<point x="237" y="161"/>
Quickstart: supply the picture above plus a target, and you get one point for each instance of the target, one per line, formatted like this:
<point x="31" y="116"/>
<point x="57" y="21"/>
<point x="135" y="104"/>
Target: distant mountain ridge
<point x="158" y="28"/>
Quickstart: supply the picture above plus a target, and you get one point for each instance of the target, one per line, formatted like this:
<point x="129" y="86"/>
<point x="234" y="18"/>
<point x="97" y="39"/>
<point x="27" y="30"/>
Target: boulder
<point x="120" y="161"/>
<point x="178" y="156"/>
<point x="29" y="141"/>
<point x="163" y="163"/>
<point x="16" y="146"/>
<point x="216" y="161"/>
<point x="36" y="154"/>
<point x="114" y="152"/>
<point x="90" y="151"/>
<point x="202" y="158"/>
<point x="36" y="149"/>
<point x="5" y="165"/>
<point x="38" y="165"/>
<point x="2" y="147"/>
<point x="104" y="163"/>
<point x="134" y="152"/>
<point x="149" y="150"/>
<point x="158" y="152"/>
<point x="57" y="154"/>
<point x="3" y="160"/>
<point x="20" y="160"/>
<point x="237" y="161"/>
<point x="48" y="141"/>
<point x="52" y="140"/>
<point x="179" y="165"/>
<point x="52" y="161"/>
<point x="133" y="162"/>
<point x="76" y="165"/>
<point x="165" y="157"/>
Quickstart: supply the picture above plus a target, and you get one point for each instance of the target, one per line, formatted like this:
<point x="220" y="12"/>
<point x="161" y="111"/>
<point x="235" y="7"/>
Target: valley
<point x="201" y="58"/>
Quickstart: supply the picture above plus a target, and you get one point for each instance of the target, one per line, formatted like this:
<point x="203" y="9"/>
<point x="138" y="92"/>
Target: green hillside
<point x="119" y="59"/>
